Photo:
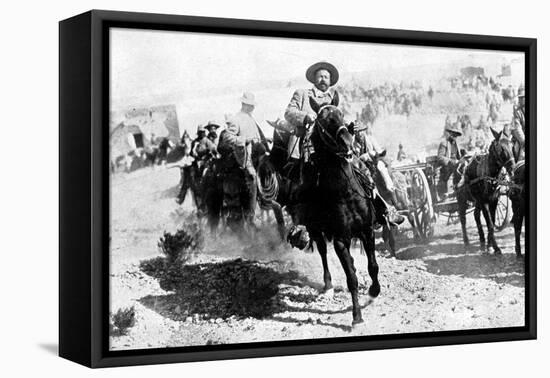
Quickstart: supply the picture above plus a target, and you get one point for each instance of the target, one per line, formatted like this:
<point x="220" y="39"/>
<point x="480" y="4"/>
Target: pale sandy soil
<point x="433" y="287"/>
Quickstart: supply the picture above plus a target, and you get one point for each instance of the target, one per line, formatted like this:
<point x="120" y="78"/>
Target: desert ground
<point x="428" y="287"/>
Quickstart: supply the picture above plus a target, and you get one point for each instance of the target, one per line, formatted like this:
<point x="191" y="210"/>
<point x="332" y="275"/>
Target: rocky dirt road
<point x="433" y="287"/>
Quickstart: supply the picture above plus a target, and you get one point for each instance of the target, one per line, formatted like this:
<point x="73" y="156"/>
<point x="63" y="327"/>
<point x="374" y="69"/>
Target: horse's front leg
<point x="517" y="220"/>
<point x="321" y="244"/>
<point x="490" y="228"/>
<point x="341" y="246"/>
<point x="372" y="265"/>
<point x="477" y="217"/>
<point x="214" y="203"/>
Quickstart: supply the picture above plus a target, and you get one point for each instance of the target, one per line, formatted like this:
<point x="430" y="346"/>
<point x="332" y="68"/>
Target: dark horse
<point x="340" y="207"/>
<point x="517" y="195"/>
<point x="480" y="187"/>
<point x="212" y="193"/>
<point x="227" y="192"/>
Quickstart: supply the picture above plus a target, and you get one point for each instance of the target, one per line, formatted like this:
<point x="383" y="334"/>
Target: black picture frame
<point x="84" y="187"/>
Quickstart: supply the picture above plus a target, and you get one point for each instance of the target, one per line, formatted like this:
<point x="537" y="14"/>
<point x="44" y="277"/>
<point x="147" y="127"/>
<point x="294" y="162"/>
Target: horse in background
<point x="481" y="187"/>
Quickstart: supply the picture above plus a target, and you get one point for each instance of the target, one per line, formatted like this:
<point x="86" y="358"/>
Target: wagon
<point x="426" y="206"/>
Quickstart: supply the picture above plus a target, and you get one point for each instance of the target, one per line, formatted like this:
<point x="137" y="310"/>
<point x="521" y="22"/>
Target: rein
<point x="329" y="141"/>
<point x="490" y="179"/>
<point x="332" y="145"/>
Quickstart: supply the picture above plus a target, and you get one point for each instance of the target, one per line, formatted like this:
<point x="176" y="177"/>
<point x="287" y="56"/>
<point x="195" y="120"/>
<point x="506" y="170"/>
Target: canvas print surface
<point x="268" y="189"/>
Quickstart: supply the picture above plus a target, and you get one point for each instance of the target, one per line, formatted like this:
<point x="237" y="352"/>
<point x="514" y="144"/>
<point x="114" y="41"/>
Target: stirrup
<point x="393" y="218"/>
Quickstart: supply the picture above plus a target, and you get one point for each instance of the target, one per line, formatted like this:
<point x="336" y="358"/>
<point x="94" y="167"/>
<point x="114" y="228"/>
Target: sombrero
<point x="310" y="73"/>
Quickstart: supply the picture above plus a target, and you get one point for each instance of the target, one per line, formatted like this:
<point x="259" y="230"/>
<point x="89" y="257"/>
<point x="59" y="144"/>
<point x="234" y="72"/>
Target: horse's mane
<point x="519" y="172"/>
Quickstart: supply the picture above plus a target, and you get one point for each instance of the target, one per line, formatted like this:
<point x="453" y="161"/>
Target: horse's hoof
<point x="374" y="291"/>
<point x="498" y="252"/>
<point x="519" y="256"/>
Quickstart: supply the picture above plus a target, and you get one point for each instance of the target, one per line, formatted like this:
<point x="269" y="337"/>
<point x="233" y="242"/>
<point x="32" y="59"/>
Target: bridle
<point x="328" y="140"/>
<point x="510" y="162"/>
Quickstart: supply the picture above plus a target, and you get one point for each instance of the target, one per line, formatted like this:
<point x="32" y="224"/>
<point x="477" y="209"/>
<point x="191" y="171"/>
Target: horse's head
<point x="332" y="132"/>
<point x="500" y="151"/>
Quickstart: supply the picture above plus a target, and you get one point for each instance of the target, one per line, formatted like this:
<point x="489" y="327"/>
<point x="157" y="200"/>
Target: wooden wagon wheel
<point x="422" y="205"/>
<point x="503" y="214"/>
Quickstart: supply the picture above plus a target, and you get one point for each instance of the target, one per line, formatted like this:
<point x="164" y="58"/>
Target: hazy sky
<point x="147" y="64"/>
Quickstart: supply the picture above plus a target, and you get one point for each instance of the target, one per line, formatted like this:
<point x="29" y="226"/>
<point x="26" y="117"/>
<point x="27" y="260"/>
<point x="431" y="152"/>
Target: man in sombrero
<point x="448" y="156"/>
<point x="212" y="127"/>
<point x="323" y="76"/>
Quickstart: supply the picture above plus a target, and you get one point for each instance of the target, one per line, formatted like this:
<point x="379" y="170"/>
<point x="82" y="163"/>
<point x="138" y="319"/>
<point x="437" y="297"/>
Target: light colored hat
<point x="312" y="70"/>
<point x="201" y="129"/>
<point x="212" y="125"/>
<point x="248" y="98"/>
<point x="453" y="128"/>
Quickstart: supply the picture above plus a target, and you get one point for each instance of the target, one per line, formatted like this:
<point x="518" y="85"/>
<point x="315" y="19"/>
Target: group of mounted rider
<point x="485" y="166"/>
<point x="233" y="156"/>
<point x="322" y="171"/>
<point x="234" y="171"/>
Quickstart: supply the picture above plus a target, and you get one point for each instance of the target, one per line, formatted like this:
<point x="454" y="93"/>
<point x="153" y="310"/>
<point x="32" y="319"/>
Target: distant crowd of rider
<point x="382" y="100"/>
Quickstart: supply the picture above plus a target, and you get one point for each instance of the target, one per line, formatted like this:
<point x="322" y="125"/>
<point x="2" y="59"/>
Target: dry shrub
<point x="124" y="319"/>
<point x="182" y="245"/>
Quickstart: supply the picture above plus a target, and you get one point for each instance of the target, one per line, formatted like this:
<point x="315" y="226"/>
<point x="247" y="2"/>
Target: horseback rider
<point x="448" y="156"/>
<point x="194" y="161"/>
<point x="300" y="117"/>
<point x="518" y="125"/>
<point x="212" y="127"/>
<point x="236" y="146"/>
<point x="202" y="148"/>
<point x="370" y="151"/>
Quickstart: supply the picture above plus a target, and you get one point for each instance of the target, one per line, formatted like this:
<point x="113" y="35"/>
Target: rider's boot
<point x="386" y="213"/>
